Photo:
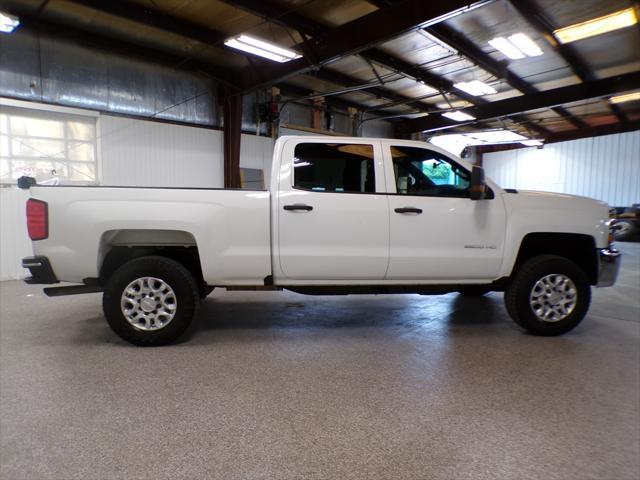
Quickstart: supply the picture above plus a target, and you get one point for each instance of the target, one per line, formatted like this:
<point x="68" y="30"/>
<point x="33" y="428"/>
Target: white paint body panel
<point x="230" y="227"/>
<point x="347" y="239"/>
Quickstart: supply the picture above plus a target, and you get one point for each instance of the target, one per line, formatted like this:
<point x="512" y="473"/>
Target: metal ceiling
<point x="407" y="66"/>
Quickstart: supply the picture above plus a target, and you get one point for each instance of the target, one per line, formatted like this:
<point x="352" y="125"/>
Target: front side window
<point x="419" y="171"/>
<point x="334" y="167"/>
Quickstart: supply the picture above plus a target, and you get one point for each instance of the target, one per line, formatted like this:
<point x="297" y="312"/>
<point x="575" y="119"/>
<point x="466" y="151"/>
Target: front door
<point x="437" y="232"/>
<point x="332" y="223"/>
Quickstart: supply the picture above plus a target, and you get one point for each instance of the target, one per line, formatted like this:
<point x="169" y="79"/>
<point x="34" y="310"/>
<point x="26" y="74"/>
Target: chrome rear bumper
<point x="608" y="266"/>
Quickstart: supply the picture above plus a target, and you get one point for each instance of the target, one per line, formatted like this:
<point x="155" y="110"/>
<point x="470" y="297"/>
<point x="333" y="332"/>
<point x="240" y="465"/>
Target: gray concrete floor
<point x="282" y="386"/>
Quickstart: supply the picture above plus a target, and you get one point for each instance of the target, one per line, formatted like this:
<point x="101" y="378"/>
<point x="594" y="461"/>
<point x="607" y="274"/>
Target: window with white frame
<point x="52" y="147"/>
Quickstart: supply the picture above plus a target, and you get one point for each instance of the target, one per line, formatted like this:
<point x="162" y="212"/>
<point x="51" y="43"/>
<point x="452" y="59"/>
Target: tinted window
<point x="334" y="167"/>
<point x="419" y="171"/>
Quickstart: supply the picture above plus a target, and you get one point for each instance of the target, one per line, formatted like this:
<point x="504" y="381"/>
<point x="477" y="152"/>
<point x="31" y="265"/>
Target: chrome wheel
<point x="553" y="297"/>
<point x="148" y="304"/>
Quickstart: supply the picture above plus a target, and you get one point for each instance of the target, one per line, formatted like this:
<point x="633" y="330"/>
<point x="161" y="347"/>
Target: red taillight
<point x="37" y="219"/>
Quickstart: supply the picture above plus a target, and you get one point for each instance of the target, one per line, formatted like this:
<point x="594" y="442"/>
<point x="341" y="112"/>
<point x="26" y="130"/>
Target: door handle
<point x="408" y="210"/>
<point x="299" y="206"/>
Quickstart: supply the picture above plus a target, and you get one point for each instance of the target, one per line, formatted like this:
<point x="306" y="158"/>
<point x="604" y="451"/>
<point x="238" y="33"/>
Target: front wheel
<point x="622" y="230"/>
<point x="549" y="295"/>
<point x="150" y="301"/>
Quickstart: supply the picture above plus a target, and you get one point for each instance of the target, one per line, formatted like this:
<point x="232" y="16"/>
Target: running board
<point x="71" y="290"/>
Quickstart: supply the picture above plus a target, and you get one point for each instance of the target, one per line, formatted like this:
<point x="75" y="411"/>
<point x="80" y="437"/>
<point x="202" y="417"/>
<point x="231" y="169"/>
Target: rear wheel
<point x="150" y="301"/>
<point x="549" y="295"/>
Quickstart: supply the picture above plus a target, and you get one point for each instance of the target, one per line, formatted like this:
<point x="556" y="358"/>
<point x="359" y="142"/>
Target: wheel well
<point x="117" y="256"/>
<point x="578" y="248"/>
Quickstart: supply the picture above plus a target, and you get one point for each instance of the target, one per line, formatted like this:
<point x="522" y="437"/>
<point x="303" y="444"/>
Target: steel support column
<point x="232" y="107"/>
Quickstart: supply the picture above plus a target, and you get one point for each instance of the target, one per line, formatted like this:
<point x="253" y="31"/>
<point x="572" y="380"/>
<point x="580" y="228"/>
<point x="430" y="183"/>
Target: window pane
<point x="419" y="171"/>
<point x="36" y="127"/>
<point x="81" y="130"/>
<point x="4" y="119"/>
<point x="37" y="147"/>
<point x="82" y="172"/>
<point x="5" y="172"/>
<point x="81" y="151"/>
<point x="343" y="168"/>
<point x="40" y="169"/>
<point x="4" y="146"/>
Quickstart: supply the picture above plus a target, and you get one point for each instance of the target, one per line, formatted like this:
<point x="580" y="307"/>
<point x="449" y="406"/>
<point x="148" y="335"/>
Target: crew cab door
<point x="331" y="223"/>
<point x="437" y="232"/>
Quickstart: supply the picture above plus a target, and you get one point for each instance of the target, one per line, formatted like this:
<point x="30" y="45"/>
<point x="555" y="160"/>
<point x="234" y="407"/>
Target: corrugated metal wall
<point x="606" y="168"/>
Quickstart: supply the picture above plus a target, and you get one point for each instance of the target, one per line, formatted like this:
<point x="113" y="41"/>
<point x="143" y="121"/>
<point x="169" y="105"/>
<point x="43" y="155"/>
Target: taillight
<point x="37" y="219"/>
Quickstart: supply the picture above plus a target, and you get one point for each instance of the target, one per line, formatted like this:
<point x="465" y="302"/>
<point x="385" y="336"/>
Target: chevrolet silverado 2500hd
<point x="341" y="216"/>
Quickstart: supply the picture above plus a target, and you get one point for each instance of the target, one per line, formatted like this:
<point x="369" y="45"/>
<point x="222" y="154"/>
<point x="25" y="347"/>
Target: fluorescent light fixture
<point x="475" y="88"/>
<point x="8" y="23"/>
<point x="456" y="142"/>
<point x="516" y="46"/>
<point x="496" y="136"/>
<point x="458" y="116"/>
<point x="507" y="48"/>
<point x="262" y="48"/>
<point x="455" y="104"/>
<point x="532" y="143"/>
<point x="597" y="26"/>
<point x="627" y="97"/>
<point x="525" y="45"/>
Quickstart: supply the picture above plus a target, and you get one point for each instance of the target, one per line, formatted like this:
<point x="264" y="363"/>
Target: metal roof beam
<point x="152" y="18"/>
<point x="533" y="101"/>
<point x="494" y="67"/>
<point x="568" y="135"/>
<point x="536" y="18"/>
<point x="356" y="36"/>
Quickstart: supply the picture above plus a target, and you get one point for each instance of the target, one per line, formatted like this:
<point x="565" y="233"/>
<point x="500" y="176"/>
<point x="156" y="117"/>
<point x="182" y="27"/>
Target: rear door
<point x="332" y="222"/>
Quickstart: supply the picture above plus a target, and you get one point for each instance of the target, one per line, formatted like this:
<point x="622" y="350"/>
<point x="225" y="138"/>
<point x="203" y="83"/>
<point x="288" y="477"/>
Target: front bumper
<point x="608" y="266"/>
<point x="40" y="268"/>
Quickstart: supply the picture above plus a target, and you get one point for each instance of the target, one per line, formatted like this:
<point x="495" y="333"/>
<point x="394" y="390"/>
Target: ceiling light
<point x="596" y="26"/>
<point x="455" y="104"/>
<point x="496" y="136"/>
<point x="8" y="23"/>
<point x="458" y="116"/>
<point x="475" y="87"/>
<point x="262" y="48"/>
<point x="507" y="48"/>
<point x="627" y="97"/>
<point x="532" y="143"/>
<point x="525" y="45"/>
<point x="516" y="46"/>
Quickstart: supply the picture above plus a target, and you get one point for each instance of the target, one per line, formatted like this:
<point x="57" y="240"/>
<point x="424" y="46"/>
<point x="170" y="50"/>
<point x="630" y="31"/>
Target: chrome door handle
<point x="408" y="210"/>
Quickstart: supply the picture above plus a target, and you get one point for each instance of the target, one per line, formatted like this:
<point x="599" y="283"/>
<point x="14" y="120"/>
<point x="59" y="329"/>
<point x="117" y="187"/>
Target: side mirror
<point x="478" y="188"/>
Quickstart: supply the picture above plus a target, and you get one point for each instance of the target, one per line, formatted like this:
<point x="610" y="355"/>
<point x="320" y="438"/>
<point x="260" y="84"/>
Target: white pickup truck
<point x="342" y="216"/>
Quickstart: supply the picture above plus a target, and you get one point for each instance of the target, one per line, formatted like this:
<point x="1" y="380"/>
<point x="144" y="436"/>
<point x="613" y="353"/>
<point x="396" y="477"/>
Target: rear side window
<point x="334" y="167"/>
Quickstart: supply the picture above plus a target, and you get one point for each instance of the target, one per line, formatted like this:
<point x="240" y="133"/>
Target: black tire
<point x="623" y="230"/>
<point x="517" y="294"/>
<point x="474" y="291"/>
<point x="183" y="298"/>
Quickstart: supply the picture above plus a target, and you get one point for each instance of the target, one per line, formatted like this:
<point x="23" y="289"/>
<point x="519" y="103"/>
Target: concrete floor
<point x="282" y="386"/>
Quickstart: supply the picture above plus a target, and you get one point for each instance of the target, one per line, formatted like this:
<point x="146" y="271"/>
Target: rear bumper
<point x="608" y="266"/>
<point x="41" y="271"/>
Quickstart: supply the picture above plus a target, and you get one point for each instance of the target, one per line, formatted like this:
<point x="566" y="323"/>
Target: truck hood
<point x="562" y="200"/>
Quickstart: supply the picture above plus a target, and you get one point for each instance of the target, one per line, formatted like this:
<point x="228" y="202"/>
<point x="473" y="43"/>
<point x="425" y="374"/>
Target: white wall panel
<point x="14" y="240"/>
<point x="143" y="153"/>
<point x="606" y="168"/>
